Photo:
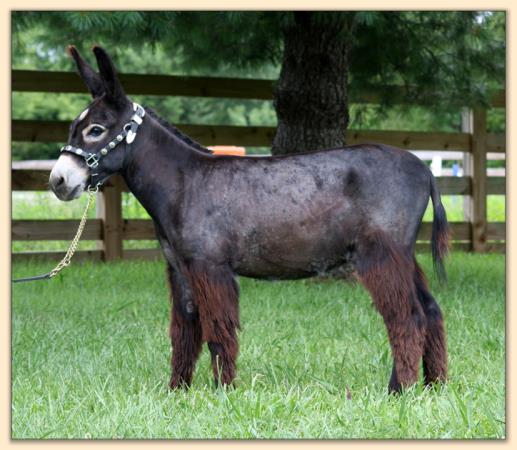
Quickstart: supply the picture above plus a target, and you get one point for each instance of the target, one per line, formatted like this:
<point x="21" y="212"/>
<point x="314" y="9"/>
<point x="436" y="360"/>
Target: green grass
<point x="90" y="359"/>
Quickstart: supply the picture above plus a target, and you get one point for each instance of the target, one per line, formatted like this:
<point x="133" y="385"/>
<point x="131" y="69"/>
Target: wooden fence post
<point x="475" y="207"/>
<point x="109" y="209"/>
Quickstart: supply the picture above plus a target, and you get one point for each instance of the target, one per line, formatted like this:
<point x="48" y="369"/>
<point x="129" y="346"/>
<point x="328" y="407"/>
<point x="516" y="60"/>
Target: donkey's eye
<point x="95" y="131"/>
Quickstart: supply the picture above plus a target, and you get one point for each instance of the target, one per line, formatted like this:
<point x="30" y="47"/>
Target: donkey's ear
<point x="113" y="88"/>
<point x="91" y="78"/>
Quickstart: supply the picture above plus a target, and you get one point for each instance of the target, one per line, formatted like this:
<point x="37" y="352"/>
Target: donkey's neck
<point x="158" y="167"/>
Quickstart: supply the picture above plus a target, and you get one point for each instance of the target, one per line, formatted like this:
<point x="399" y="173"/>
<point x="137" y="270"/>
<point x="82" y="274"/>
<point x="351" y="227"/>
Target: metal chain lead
<point x="73" y="245"/>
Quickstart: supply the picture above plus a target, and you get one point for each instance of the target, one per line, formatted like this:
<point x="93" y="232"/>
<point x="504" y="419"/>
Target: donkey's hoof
<point x="175" y="384"/>
<point x="392" y="390"/>
<point x="225" y="385"/>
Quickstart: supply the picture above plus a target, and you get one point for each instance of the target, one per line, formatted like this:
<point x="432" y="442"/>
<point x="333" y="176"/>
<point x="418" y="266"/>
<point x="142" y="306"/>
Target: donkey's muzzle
<point x="63" y="190"/>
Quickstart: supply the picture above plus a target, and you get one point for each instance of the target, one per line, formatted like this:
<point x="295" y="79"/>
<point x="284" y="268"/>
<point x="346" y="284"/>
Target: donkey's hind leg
<point x="185" y="331"/>
<point x="387" y="272"/>
<point x="216" y="293"/>
<point x="435" y="347"/>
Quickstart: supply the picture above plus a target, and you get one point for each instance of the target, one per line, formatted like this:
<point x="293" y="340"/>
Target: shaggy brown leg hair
<point x="435" y="348"/>
<point x="216" y="294"/>
<point x="387" y="272"/>
<point x="185" y="333"/>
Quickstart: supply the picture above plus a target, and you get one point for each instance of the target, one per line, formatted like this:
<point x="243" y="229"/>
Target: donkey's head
<point x="93" y="152"/>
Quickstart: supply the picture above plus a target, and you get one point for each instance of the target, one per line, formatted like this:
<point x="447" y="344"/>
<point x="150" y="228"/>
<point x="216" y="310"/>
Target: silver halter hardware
<point x="128" y="132"/>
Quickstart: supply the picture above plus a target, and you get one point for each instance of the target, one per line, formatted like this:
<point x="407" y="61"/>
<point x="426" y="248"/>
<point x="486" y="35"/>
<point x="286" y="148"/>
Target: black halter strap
<point x="128" y="133"/>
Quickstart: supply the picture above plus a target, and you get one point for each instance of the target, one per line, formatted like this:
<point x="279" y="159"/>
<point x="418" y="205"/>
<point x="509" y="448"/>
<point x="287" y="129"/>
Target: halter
<point x="128" y="132"/>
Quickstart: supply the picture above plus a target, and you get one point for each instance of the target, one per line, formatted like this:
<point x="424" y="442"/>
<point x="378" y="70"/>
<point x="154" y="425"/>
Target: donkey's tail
<point x="440" y="232"/>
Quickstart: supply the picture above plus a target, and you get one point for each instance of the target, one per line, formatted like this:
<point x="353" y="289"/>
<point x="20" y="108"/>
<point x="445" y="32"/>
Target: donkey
<point x="356" y="208"/>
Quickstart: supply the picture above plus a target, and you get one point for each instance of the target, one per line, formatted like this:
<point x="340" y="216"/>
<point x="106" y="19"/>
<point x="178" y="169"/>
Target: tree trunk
<point x="311" y="94"/>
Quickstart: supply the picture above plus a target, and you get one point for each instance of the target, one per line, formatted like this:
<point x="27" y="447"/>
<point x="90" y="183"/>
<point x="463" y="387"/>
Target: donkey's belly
<point x="283" y="270"/>
<point x="283" y="261"/>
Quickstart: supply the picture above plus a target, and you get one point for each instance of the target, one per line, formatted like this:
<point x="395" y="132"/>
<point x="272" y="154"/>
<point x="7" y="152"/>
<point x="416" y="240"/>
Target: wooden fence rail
<point x="110" y="229"/>
<point x="191" y="86"/>
<point x="256" y="136"/>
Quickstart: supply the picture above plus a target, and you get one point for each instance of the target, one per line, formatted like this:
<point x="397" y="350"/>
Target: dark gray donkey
<point x="356" y="209"/>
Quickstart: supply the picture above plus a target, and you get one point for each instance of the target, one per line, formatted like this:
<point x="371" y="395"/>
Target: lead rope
<point x="73" y="245"/>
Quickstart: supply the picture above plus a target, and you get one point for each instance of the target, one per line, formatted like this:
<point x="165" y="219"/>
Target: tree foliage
<point x="460" y="53"/>
<point x="460" y="56"/>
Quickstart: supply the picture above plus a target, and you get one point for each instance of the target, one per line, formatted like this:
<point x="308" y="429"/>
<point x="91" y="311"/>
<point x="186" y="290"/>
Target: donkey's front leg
<point x="185" y="330"/>
<point x="216" y="294"/>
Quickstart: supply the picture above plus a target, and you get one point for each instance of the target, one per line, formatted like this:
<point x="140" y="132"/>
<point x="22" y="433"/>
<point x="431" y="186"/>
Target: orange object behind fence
<point x="228" y="150"/>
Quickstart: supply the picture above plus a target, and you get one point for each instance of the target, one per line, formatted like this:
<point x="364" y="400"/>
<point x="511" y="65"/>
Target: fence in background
<point x="110" y="228"/>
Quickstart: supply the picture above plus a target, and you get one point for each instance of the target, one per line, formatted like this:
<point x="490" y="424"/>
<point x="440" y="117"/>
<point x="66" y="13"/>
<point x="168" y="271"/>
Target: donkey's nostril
<point x="57" y="181"/>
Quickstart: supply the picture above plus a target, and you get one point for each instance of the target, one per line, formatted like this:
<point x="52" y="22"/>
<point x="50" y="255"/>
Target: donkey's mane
<point x="191" y="142"/>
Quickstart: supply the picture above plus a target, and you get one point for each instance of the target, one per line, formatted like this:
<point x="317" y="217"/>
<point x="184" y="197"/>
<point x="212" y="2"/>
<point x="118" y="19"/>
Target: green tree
<point x="459" y="56"/>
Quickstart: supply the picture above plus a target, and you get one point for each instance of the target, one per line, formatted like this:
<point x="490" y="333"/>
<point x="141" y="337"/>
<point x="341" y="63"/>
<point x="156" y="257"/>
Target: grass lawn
<point x="90" y="359"/>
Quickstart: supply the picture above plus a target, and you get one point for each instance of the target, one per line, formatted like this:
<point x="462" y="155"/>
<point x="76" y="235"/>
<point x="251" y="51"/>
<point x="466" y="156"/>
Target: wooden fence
<point x="110" y="228"/>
